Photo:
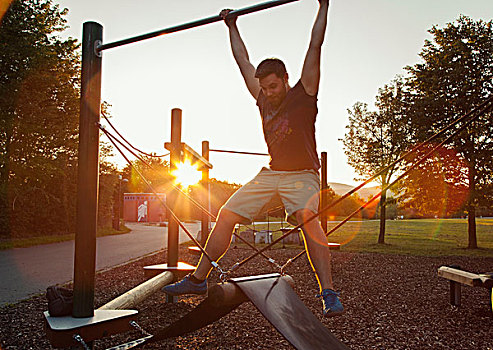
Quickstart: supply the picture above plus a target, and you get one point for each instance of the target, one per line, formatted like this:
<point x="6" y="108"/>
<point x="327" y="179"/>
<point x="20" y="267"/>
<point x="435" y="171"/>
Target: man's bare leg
<point x="319" y="256"/>
<point x="317" y="249"/>
<point x="218" y="242"/>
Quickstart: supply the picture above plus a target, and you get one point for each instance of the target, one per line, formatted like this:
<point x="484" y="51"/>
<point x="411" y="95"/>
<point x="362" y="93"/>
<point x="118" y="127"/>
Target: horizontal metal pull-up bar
<point x="189" y="25"/>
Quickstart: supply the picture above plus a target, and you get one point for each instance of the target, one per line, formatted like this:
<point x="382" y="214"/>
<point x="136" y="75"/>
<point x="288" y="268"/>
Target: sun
<point x="186" y="174"/>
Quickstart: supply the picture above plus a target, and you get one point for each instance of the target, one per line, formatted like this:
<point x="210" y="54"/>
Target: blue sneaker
<point x="332" y="306"/>
<point x="185" y="286"/>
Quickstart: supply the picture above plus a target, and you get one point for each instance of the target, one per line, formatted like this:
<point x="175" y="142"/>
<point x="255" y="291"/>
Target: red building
<point x="143" y="207"/>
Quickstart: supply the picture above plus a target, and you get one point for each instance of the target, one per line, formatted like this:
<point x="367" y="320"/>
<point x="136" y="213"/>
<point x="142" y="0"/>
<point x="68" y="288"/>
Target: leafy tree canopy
<point x="39" y="75"/>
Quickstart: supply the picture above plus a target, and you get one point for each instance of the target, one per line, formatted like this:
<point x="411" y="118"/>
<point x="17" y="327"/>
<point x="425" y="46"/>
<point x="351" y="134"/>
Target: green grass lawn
<point x="423" y="237"/>
<point x="429" y="237"/>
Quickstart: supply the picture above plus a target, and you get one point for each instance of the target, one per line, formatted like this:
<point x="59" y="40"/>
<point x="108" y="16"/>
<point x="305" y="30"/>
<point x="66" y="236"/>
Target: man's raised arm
<point x="310" y="75"/>
<point x="240" y="54"/>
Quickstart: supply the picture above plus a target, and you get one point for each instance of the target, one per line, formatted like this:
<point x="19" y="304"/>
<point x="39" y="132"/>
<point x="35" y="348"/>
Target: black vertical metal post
<point x="206" y="199"/>
<point x="323" y="192"/>
<point x="175" y="155"/>
<point x="88" y="173"/>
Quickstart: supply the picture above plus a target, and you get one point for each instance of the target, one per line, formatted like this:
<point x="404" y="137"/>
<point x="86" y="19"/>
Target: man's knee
<point x="312" y="231"/>
<point x="302" y="216"/>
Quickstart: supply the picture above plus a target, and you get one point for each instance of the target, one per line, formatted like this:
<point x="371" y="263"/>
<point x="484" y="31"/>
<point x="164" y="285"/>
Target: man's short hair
<point x="269" y="66"/>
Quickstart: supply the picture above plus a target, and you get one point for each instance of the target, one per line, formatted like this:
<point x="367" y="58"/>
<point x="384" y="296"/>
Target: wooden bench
<point x="458" y="277"/>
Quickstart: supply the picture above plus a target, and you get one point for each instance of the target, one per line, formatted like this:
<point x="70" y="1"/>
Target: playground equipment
<point x="274" y="298"/>
<point x="457" y="277"/>
<point x="87" y="324"/>
<point x="86" y="321"/>
<point x="179" y="150"/>
<point x="206" y="313"/>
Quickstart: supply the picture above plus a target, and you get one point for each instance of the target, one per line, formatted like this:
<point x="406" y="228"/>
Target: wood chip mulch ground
<point x="392" y="302"/>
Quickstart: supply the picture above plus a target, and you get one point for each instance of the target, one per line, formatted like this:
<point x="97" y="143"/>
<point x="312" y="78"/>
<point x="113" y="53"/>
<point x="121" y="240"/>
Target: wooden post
<point x="206" y="199"/>
<point x="88" y="173"/>
<point x="455" y="293"/>
<point x="175" y="158"/>
<point x="323" y="192"/>
<point x="173" y="226"/>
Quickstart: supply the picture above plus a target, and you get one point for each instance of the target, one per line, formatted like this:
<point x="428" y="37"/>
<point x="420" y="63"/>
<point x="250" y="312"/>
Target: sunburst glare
<point x="186" y="174"/>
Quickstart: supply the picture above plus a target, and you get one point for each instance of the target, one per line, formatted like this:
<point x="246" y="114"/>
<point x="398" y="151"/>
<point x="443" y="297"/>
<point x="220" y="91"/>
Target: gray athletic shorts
<point x="296" y="189"/>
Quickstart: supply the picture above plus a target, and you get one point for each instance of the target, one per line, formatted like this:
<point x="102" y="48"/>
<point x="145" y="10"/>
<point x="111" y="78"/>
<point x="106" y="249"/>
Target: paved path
<point x="28" y="271"/>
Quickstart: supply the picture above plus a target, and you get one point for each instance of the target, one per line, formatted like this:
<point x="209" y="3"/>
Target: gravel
<point x="391" y="301"/>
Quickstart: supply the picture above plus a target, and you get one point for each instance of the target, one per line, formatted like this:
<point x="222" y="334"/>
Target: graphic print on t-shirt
<point x="276" y="128"/>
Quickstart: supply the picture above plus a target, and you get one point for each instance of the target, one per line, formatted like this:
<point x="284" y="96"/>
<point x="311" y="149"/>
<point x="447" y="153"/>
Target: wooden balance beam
<point x="138" y="294"/>
<point x="458" y="277"/>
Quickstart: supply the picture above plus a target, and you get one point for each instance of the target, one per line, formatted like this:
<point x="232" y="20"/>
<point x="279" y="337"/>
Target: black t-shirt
<point x="290" y="130"/>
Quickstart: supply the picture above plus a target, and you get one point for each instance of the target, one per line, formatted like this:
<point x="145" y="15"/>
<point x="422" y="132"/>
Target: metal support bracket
<point x="97" y="44"/>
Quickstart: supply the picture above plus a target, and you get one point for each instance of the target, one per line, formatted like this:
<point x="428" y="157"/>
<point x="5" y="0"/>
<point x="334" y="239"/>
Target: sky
<point x="368" y="43"/>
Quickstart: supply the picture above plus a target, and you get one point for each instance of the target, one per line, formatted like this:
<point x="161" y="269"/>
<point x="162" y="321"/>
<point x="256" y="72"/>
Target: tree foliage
<point x="376" y="139"/>
<point x="155" y="171"/>
<point x="39" y="118"/>
<point x="455" y="76"/>
<point x="39" y="75"/>
<point x="437" y="187"/>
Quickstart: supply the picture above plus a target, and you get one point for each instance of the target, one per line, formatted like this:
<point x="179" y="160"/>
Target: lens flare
<point x="437" y="188"/>
<point x="186" y="174"/>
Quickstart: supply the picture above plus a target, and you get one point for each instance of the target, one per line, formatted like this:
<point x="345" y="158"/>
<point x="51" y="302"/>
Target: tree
<point x="455" y="76"/>
<point x="108" y="183"/>
<point x="437" y="187"/>
<point x="375" y="139"/>
<point x="220" y="193"/>
<point x="155" y="170"/>
<point x="39" y="102"/>
<point x="346" y="207"/>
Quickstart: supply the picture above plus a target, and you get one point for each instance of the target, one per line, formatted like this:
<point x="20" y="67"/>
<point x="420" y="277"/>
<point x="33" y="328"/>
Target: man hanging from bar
<point x="288" y="120"/>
